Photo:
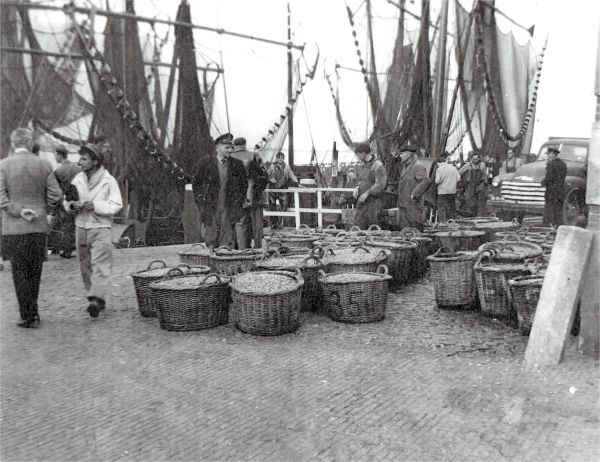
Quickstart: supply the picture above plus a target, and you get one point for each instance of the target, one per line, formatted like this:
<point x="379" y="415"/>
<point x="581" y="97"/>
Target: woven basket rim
<point x="393" y="244"/>
<point x="529" y="280"/>
<point x="195" y="269"/>
<point x="500" y="267"/>
<point x="164" y="285"/>
<point x="300" y="258"/>
<point x="463" y="233"/>
<point x="380" y="277"/>
<point x="460" y="255"/>
<point x="299" y="283"/>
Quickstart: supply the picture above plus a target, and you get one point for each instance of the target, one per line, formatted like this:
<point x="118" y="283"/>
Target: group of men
<point x="228" y="189"/>
<point x="413" y="180"/>
<point x="31" y="194"/>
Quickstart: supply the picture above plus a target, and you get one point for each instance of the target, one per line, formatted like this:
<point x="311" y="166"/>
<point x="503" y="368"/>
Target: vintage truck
<point x="521" y="193"/>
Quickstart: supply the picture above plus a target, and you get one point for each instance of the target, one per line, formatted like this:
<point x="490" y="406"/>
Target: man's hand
<point x="355" y="192"/>
<point x="363" y="197"/>
<point x="87" y="206"/>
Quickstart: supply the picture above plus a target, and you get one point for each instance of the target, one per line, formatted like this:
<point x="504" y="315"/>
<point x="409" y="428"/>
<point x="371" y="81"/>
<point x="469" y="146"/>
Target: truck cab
<point x="521" y="193"/>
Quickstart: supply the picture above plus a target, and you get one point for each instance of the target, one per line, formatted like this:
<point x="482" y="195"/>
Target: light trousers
<point x="94" y="252"/>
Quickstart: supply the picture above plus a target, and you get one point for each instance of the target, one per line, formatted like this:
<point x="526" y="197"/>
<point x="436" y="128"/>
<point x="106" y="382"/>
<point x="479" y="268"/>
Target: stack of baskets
<point x="155" y="271"/>
<point x="267" y="302"/>
<point x="355" y="297"/>
<point x="192" y="302"/>
<point x="309" y="267"/>
<point x="453" y="278"/>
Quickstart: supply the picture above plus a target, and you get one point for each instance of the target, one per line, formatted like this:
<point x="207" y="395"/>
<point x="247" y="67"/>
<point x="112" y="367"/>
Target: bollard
<point x="560" y="292"/>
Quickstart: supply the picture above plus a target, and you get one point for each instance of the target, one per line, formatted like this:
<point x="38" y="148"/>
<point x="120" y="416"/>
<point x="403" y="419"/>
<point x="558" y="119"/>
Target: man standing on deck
<point x="372" y="179"/>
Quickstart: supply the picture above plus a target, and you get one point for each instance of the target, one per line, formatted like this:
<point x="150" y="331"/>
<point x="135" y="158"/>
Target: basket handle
<point x="198" y="244"/>
<point x="486" y="254"/>
<point x="322" y="274"/>
<point x="304" y="226"/>
<point x="341" y="235"/>
<point x="380" y="256"/>
<point x="164" y="265"/>
<point x="354" y="229"/>
<point x="362" y="247"/>
<point x="173" y="272"/>
<point x="382" y="269"/>
<point x="362" y="233"/>
<point x="272" y="253"/>
<point x="330" y="227"/>
<point x="317" y="252"/>
<point x="447" y="250"/>
<point x="204" y="279"/>
<point x="311" y="257"/>
<point x="374" y="227"/>
<point x="274" y="244"/>
<point x="185" y="266"/>
<point x="330" y="250"/>
<point x="223" y="247"/>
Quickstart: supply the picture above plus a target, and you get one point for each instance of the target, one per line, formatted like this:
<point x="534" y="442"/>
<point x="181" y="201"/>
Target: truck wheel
<point x="573" y="207"/>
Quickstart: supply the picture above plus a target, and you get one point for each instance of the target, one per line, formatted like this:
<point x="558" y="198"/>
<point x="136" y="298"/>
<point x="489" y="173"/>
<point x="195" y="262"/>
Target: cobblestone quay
<point x="423" y="384"/>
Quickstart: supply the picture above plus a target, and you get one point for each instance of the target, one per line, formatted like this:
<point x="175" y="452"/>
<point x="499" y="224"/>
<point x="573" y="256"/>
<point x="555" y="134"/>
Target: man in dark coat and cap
<point x="412" y="184"/>
<point x="220" y="186"/>
<point x="554" y="181"/>
<point x="372" y="179"/>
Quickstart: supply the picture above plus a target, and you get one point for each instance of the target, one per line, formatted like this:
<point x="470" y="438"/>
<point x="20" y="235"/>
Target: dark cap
<point x="61" y="149"/>
<point x="553" y="150"/>
<point x="240" y="141"/>
<point x="362" y="147"/>
<point x="280" y="154"/>
<point x="225" y="138"/>
<point x="408" y="148"/>
<point x="94" y="152"/>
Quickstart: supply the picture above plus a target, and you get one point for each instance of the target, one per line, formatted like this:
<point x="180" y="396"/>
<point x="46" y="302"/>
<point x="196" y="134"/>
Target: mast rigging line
<point x="70" y="9"/>
<point x="54" y="54"/>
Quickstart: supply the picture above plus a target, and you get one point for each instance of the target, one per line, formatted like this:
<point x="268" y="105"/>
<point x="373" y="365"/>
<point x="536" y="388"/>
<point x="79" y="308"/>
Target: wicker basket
<point x="471" y="222"/>
<point x="492" y="285"/>
<point x="228" y="262"/>
<point x="286" y="250"/>
<point x="358" y="259"/>
<point x="512" y="251"/>
<point x="191" y="303"/>
<point x="196" y="254"/>
<point x="497" y="226"/>
<point x="376" y="232"/>
<point x="401" y="258"/>
<point x="330" y="230"/>
<point x="309" y="267"/>
<point x="525" y="292"/>
<point x="355" y="297"/>
<point x="426" y="248"/>
<point x="461" y="239"/>
<point x="453" y="277"/>
<point x="267" y="311"/>
<point x="142" y="280"/>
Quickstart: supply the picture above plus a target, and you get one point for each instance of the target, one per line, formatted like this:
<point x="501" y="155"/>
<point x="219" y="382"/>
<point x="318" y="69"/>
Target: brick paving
<point x="424" y="384"/>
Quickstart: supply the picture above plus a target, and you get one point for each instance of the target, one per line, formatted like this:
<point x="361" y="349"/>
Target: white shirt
<point x="446" y="177"/>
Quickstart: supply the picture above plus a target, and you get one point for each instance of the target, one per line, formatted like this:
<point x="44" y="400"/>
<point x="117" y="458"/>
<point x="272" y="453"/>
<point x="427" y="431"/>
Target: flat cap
<point x="553" y="149"/>
<point x="362" y="147"/>
<point x="240" y="141"/>
<point x="225" y="138"/>
<point x="93" y="150"/>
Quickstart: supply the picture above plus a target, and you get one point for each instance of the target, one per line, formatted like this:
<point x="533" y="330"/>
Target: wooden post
<point x="320" y="208"/>
<point x="290" y="91"/>
<point x="589" y="334"/>
<point x="439" y="112"/>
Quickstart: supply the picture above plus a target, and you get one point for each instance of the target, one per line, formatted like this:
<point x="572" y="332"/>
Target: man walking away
<point x="99" y="199"/>
<point x="372" y="179"/>
<point x="64" y="222"/>
<point x="446" y="179"/>
<point x="412" y="185"/>
<point x="554" y="181"/>
<point x="28" y="191"/>
<point x="474" y="179"/>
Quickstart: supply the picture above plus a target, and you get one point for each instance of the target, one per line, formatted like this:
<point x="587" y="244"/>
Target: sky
<point x="256" y="73"/>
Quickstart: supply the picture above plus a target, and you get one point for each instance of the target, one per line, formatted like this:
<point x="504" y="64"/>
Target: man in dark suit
<point x="412" y="184"/>
<point x="554" y="181"/>
<point x="220" y="187"/>
<point x="28" y="191"/>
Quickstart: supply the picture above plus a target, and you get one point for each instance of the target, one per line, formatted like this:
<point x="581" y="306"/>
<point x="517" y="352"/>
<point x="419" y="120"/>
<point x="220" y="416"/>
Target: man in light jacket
<point x="99" y="199"/>
<point x="446" y="179"/>
<point x="28" y="191"/>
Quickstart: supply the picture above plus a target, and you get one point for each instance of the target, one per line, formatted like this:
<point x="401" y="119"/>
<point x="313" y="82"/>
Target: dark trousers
<point x="26" y="253"/>
<point x="552" y="213"/>
<point x="446" y="207"/>
<point x="250" y="227"/>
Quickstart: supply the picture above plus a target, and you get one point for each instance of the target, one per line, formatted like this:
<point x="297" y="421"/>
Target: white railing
<point x="296" y="209"/>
